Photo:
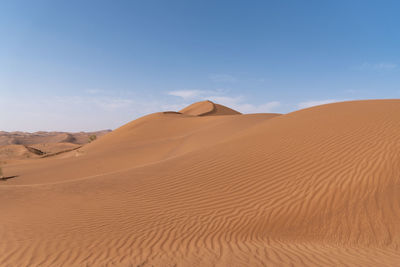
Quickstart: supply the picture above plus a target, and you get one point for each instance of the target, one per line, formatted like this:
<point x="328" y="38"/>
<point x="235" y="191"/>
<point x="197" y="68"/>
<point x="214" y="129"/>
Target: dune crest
<point x="315" y="187"/>
<point x="208" y="108"/>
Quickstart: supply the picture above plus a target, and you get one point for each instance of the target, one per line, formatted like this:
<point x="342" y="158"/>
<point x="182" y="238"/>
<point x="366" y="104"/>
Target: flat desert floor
<point x="208" y="186"/>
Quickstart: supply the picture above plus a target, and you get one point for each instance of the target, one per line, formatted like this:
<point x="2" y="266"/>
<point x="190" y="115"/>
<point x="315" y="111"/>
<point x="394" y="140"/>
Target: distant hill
<point x="25" y="138"/>
<point x="24" y="145"/>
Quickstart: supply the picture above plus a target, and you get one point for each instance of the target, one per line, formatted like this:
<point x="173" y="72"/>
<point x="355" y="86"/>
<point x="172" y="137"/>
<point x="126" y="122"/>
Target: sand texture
<point x="208" y="186"/>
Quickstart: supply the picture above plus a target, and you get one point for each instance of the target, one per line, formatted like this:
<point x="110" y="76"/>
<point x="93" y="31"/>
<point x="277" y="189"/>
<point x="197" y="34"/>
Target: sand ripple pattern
<point x="316" y="187"/>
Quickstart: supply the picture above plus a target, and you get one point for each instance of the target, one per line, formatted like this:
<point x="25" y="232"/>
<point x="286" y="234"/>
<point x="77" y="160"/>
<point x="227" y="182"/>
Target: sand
<point x="16" y="146"/>
<point x="208" y="186"/>
<point x="25" y="138"/>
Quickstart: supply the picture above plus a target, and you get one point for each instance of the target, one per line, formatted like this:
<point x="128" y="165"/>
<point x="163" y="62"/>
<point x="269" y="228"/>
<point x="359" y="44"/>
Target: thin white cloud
<point x="220" y="96"/>
<point x="186" y="94"/>
<point x="94" y="91"/>
<point x="104" y="111"/>
<point x="383" y="66"/>
<point x="76" y="113"/>
<point x="224" y="78"/>
<point x="386" y="66"/>
<point x="263" y="108"/>
<point x="226" y="100"/>
<point x="196" y="94"/>
<point x="173" y="107"/>
<point x="240" y="105"/>
<point x="312" y="103"/>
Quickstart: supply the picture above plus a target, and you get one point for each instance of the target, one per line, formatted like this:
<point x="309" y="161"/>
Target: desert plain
<point x="208" y="186"/>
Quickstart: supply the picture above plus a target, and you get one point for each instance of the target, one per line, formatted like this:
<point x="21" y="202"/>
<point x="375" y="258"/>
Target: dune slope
<point x="150" y="139"/>
<point x="208" y="108"/>
<point x="320" y="186"/>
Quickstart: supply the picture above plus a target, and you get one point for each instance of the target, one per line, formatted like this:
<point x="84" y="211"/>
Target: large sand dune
<point x="316" y="187"/>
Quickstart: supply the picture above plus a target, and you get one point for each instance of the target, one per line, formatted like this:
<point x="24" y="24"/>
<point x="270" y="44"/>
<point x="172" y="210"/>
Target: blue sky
<point x="89" y="65"/>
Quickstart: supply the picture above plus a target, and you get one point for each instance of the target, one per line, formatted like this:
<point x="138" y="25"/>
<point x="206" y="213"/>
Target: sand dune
<point x="18" y="152"/>
<point x="16" y="146"/>
<point x="207" y="108"/>
<point x="24" y="138"/>
<point x="210" y="187"/>
<point x="54" y="148"/>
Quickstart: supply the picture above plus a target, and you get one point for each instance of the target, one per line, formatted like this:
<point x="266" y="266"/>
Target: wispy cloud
<point x="94" y="91"/>
<point x="378" y="66"/>
<point x="196" y="94"/>
<point x="263" y="108"/>
<point x="224" y="98"/>
<point x="312" y="103"/>
<point x="77" y="113"/>
<point x="186" y="94"/>
<point x="108" y="110"/>
<point x="238" y="103"/>
<point x="223" y="78"/>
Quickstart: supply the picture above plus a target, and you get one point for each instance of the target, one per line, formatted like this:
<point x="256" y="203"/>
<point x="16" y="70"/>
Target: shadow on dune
<point x="8" y="177"/>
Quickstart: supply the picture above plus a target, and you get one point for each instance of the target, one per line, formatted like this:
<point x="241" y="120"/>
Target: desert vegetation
<point x="92" y="138"/>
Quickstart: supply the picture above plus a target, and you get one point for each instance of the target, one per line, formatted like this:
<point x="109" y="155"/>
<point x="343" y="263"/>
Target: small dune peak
<point x="208" y="108"/>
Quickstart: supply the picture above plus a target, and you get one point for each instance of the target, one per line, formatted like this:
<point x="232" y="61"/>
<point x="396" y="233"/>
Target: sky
<point x="85" y="65"/>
